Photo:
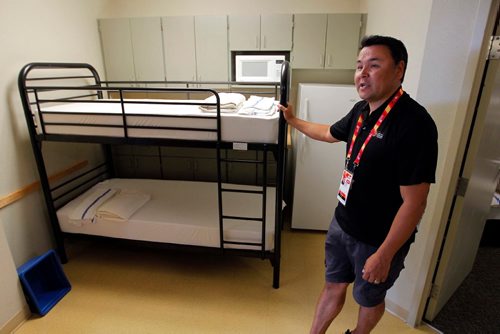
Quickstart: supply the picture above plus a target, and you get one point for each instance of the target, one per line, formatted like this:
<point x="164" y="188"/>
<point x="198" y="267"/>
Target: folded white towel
<point x="123" y="205"/>
<point x="85" y="212"/>
<point x="257" y="105"/>
<point x="229" y="102"/>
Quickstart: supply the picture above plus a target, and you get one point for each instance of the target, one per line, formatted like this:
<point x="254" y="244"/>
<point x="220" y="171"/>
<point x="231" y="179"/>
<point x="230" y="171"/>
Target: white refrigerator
<point x="318" y="165"/>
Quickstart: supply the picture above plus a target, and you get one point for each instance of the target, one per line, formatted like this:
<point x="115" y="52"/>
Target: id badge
<point x="345" y="185"/>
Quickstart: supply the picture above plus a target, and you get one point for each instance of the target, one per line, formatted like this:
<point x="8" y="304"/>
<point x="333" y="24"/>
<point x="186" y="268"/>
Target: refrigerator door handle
<point x="305" y="139"/>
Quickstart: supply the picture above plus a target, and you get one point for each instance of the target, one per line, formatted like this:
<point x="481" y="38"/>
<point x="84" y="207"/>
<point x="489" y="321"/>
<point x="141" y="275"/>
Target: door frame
<point x="472" y="132"/>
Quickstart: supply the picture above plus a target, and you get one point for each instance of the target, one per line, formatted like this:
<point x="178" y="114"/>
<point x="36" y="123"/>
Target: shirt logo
<point x="379" y="135"/>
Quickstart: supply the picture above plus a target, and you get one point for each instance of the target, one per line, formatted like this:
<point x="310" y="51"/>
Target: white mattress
<point x="181" y="212"/>
<point x="234" y="127"/>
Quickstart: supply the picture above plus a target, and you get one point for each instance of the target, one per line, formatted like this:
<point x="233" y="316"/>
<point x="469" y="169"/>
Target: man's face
<point x="376" y="76"/>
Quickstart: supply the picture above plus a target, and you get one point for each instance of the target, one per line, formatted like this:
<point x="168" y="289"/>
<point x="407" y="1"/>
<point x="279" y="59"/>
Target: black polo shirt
<point x="404" y="152"/>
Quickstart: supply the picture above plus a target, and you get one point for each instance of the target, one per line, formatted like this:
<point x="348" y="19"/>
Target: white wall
<point x="443" y="39"/>
<point x="32" y="30"/>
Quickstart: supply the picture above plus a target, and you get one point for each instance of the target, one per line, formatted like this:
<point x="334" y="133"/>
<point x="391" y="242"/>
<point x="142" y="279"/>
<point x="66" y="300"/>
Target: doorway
<point x="479" y="176"/>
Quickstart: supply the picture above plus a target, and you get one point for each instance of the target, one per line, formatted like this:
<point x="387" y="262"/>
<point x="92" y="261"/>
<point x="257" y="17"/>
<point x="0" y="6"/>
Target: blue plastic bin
<point x="44" y="282"/>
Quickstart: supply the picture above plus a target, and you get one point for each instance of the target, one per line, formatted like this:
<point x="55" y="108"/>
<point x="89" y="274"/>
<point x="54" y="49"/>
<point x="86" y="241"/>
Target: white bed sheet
<point x="234" y="127"/>
<point x="181" y="212"/>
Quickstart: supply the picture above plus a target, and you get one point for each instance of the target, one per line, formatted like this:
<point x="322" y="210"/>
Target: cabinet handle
<point x="329" y="60"/>
<point x="256" y="41"/>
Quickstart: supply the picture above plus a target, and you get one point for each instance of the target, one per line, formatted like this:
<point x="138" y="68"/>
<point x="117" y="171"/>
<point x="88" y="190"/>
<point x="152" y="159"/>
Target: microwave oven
<point x="258" y="68"/>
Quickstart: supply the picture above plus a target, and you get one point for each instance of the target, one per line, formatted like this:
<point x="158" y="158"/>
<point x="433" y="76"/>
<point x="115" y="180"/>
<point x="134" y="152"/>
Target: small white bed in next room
<point x="177" y="212"/>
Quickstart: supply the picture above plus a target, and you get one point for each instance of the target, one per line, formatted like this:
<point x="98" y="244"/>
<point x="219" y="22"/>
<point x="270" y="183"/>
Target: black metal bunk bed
<point x="45" y="84"/>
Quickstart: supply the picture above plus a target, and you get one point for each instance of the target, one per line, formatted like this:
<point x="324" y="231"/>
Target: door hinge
<point x="462" y="184"/>
<point x="494" y="49"/>
<point x="434" y="291"/>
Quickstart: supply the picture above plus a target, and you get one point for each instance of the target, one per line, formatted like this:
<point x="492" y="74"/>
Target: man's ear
<point x="401" y="67"/>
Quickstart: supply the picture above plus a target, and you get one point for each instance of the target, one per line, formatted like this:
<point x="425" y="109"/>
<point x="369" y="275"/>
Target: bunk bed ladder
<point x="262" y="191"/>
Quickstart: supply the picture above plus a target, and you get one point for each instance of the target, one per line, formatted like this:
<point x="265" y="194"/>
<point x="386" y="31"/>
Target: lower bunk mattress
<point x="175" y="212"/>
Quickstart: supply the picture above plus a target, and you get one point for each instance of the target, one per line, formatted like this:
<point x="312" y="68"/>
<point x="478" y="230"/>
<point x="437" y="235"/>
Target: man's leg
<point x="368" y="318"/>
<point x="330" y="303"/>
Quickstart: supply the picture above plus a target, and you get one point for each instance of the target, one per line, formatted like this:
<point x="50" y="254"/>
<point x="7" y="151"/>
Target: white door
<point x="212" y="57"/>
<point x="179" y="48"/>
<point x="147" y="49"/>
<point x="342" y="41"/>
<point x="309" y="35"/>
<point x="482" y="168"/>
<point x="117" y="49"/>
<point x="276" y="32"/>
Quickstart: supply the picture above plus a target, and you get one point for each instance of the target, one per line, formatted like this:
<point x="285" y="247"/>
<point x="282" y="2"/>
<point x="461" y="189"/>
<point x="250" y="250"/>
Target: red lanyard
<point x="373" y="132"/>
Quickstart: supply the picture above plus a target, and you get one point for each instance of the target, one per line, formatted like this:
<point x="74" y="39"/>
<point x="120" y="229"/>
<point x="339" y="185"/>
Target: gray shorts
<point x="345" y="258"/>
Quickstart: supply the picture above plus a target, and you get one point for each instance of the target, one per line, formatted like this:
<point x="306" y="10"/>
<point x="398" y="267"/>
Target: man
<point x="390" y="164"/>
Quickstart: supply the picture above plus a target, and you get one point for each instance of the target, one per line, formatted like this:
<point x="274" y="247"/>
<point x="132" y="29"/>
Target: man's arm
<point x="315" y="131"/>
<point x="409" y="214"/>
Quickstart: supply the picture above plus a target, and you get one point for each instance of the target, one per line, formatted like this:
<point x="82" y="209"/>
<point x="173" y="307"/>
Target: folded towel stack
<point x="229" y="102"/>
<point x="123" y="205"/>
<point x="257" y="105"/>
<point x="85" y="212"/>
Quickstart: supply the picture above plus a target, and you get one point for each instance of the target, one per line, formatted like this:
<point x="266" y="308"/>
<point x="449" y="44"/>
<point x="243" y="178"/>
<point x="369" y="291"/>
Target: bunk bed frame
<point x="40" y="86"/>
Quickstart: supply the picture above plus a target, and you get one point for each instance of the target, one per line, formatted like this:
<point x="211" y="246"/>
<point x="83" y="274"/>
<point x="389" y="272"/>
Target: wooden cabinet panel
<point x="342" y="41"/>
<point x="212" y="57"/>
<point x="272" y="32"/>
<point x="147" y="49"/>
<point x="276" y="32"/>
<point x="309" y="38"/>
<point x="117" y="49"/>
<point x="179" y="48"/>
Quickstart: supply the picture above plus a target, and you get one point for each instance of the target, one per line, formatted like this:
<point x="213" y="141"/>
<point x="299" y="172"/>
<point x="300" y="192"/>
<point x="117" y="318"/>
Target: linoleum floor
<point x="123" y="288"/>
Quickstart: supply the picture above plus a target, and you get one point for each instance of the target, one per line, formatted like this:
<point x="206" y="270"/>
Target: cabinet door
<point x="244" y="32"/>
<point x="342" y="41"/>
<point x="117" y="49"/>
<point x="147" y="49"/>
<point x="211" y="48"/>
<point x="276" y="32"/>
<point x="179" y="48"/>
<point x="309" y="40"/>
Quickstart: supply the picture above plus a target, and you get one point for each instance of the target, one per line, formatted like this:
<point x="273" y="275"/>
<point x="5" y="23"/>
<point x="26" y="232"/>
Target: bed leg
<point x="61" y="251"/>
<point x="276" y="274"/>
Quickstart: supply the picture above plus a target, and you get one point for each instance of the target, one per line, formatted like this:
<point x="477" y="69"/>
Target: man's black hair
<point x="395" y="46"/>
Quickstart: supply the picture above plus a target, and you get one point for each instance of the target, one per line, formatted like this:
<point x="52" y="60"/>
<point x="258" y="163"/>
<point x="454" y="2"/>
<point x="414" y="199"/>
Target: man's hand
<point x="376" y="268"/>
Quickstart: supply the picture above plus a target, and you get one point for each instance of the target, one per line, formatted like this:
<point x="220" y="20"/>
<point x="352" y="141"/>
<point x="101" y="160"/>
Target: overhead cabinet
<point x="132" y="49"/>
<point x="272" y="32"/>
<point x="179" y="48"/>
<point x="326" y="41"/>
<point x="212" y="59"/>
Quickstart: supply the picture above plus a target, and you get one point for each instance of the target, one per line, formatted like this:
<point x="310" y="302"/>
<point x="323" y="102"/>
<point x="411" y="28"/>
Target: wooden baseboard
<point x="20" y="193"/>
<point x="16" y="321"/>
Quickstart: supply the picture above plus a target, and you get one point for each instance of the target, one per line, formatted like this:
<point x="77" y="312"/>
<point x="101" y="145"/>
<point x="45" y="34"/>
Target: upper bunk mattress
<point x="144" y="120"/>
<point x="177" y="212"/>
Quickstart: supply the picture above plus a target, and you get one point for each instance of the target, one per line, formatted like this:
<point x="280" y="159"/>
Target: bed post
<point x="36" y="143"/>
<point x="37" y="151"/>
<point x="284" y="89"/>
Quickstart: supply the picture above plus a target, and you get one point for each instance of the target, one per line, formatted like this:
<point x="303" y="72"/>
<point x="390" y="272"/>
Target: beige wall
<point x="129" y="8"/>
<point x="31" y="30"/>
